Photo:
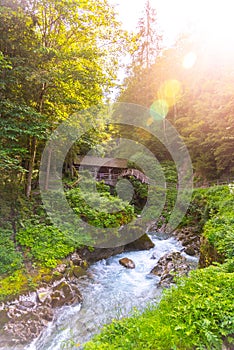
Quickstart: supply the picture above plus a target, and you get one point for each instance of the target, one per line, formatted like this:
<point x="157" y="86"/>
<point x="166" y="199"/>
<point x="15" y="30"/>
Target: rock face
<point x="142" y="243"/>
<point x="208" y="254"/>
<point x="190" y="240"/>
<point x="26" y="317"/>
<point x="128" y="263"/>
<point x="23" y="319"/>
<point x="95" y="254"/>
<point x="170" y="265"/>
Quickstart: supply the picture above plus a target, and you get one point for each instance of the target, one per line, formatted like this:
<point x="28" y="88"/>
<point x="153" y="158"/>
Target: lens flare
<point x="159" y="109"/>
<point x="170" y="91"/>
<point x="189" y="60"/>
<point x="149" y="121"/>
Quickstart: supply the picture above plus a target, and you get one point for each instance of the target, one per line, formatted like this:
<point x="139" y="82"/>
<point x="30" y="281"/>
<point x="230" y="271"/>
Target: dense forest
<point x="60" y="58"/>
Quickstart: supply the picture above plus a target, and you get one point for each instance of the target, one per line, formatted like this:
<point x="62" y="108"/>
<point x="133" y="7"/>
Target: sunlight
<point x="211" y="21"/>
<point x="216" y="25"/>
<point x="189" y="60"/>
<point x="170" y="91"/>
<point x="159" y="109"/>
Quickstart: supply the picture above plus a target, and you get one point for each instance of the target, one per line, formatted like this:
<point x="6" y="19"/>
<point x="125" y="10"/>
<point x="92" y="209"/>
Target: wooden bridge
<point x="108" y="170"/>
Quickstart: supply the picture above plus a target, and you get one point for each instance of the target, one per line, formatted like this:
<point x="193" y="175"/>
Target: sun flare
<point x="210" y="20"/>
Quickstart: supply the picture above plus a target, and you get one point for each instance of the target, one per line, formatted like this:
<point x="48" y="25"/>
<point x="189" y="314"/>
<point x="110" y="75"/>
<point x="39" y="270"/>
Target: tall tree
<point x="57" y="51"/>
<point x="148" y="49"/>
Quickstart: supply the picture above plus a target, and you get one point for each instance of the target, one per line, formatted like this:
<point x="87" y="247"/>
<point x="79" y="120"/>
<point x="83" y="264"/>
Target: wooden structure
<point x="108" y="170"/>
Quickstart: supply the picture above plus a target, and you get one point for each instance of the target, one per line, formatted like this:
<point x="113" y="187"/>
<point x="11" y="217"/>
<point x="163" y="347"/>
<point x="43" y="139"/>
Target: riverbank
<point x="110" y="291"/>
<point x="23" y="318"/>
<point x="198" y="313"/>
<point x="58" y="286"/>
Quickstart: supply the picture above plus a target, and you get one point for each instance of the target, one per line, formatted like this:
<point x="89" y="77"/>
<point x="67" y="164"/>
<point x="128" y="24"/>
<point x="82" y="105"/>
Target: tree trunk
<point x="46" y="185"/>
<point x="33" y="149"/>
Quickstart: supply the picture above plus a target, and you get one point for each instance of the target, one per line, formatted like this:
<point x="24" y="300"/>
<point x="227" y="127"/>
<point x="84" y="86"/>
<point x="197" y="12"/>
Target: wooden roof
<point x="101" y="162"/>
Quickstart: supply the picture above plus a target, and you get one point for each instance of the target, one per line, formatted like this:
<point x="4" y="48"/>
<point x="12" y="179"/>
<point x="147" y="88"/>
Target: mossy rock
<point x="208" y="254"/>
<point x="78" y="271"/>
<point x="46" y="279"/>
<point x="56" y="276"/>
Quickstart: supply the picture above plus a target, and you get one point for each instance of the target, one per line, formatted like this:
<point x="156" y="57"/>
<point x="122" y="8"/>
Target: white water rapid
<point x="109" y="291"/>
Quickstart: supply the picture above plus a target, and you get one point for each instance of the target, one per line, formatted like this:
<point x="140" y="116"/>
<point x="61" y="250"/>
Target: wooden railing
<point x="112" y="178"/>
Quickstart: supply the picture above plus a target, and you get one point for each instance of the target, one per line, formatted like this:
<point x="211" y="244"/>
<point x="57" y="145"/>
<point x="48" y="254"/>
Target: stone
<point x="43" y="294"/>
<point x="128" y="263"/>
<point x="76" y="259"/>
<point x="47" y="314"/>
<point x="57" y="276"/>
<point x="46" y="279"/>
<point x="170" y="265"/>
<point x="28" y="304"/>
<point x="78" y="271"/>
<point x="64" y="294"/>
<point x="190" y="239"/>
<point x="190" y="251"/>
<point x="96" y="254"/>
<point x="142" y="243"/>
<point x="61" y="269"/>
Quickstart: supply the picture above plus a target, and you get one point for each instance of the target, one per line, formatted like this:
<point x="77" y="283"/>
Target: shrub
<point x="46" y="244"/>
<point x="10" y="259"/>
<point x="100" y="209"/>
<point x="195" y="315"/>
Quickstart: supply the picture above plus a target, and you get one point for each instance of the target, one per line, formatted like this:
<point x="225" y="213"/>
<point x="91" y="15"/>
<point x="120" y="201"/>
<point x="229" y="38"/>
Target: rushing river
<point x="109" y="291"/>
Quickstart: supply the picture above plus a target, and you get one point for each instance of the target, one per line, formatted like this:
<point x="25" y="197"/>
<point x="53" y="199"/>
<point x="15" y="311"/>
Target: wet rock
<point x="170" y="265"/>
<point x="158" y="225"/>
<point x="61" y="269"/>
<point x="27" y="304"/>
<point x="142" y="243"/>
<point x="43" y="294"/>
<point x="190" y="239"/>
<point x="57" y="276"/>
<point x="24" y="318"/>
<point x="190" y="251"/>
<point x="64" y="294"/>
<point x="76" y="259"/>
<point x="128" y="263"/>
<point x="46" y="279"/>
<point x="78" y="271"/>
<point x="96" y="254"/>
<point x="45" y="313"/>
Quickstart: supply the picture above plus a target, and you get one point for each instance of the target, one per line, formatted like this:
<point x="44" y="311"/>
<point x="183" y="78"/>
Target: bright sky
<point x="169" y="15"/>
<point x="211" y="19"/>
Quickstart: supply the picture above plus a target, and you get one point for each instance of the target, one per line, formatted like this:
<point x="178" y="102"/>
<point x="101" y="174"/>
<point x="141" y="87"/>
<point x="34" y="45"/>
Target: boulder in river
<point x="142" y="243"/>
<point x="190" y="240"/>
<point x="95" y="254"/>
<point x="128" y="263"/>
<point x="170" y="265"/>
<point x="65" y="294"/>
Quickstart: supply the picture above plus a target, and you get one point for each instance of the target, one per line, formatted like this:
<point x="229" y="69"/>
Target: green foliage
<point x="219" y="229"/>
<point x="99" y="208"/>
<point x="51" y="66"/>
<point x="45" y="244"/>
<point x="10" y="259"/>
<point x="193" y="315"/>
<point x="12" y="285"/>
